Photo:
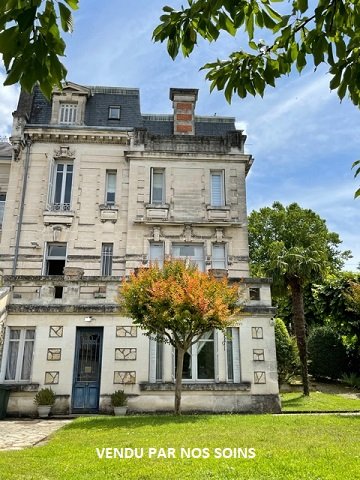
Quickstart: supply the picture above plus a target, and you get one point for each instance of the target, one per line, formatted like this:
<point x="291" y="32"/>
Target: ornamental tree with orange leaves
<point x="177" y="304"/>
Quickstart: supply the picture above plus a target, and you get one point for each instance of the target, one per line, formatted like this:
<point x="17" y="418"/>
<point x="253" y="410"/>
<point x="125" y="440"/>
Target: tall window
<point x="157" y="186"/>
<point x="217" y="188"/>
<point x="218" y="256"/>
<point x="193" y="253"/>
<point x="157" y="253"/>
<point x="199" y="361"/>
<point x="61" y="186"/>
<point x="55" y="259"/>
<point x="106" y="259"/>
<point x="20" y="354"/>
<point x="233" y="354"/>
<point x="68" y="113"/>
<point x="110" y="187"/>
<point x="2" y="206"/>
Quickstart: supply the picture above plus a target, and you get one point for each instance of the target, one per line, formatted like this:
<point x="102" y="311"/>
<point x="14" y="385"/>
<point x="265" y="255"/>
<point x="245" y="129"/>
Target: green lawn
<point x="287" y="447"/>
<point x="318" y="402"/>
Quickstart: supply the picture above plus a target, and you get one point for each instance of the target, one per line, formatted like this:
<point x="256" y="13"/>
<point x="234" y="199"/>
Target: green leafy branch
<point x="31" y="42"/>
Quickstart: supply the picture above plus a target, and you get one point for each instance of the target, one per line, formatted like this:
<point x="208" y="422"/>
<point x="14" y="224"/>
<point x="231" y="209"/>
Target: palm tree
<point x="294" y="247"/>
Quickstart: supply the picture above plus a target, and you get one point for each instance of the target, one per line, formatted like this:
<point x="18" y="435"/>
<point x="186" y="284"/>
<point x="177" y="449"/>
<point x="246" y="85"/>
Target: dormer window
<point x="114" y="112"/>
<point x="68" y="113"/>
<point x="68" y="105"/>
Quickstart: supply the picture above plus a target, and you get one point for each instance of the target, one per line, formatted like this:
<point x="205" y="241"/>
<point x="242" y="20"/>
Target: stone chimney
<point x="184" y="100"/>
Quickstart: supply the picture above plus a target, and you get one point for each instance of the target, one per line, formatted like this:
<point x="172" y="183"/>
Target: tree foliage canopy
<point x="31" y="41"/>
<point x="290" y="242"/>
<point x="296" y="34"/>
<point x="177" y="303"/>
<point x="294" y="247"/>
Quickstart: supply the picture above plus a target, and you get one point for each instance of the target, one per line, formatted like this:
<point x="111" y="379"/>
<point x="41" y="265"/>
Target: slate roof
<point x="38" y="110"/>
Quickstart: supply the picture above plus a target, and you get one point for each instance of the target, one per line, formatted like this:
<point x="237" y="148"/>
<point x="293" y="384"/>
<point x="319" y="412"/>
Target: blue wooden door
<point x="87" y="370"/>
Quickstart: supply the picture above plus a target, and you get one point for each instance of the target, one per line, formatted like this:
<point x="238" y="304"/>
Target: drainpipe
<point x="22" y="202"/>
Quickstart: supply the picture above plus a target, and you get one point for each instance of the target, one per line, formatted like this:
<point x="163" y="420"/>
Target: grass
<point x="318" y="402"/>
<point x="324" y="447"/>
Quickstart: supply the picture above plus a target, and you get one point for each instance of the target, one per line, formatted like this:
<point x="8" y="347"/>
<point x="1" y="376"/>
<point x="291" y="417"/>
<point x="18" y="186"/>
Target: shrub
<point x="118" y="398"/>
<point x="327" y="353"/>
<point x="352" y="379"/>
<point x="286" y="352"/>
<point x="45" y="396"/>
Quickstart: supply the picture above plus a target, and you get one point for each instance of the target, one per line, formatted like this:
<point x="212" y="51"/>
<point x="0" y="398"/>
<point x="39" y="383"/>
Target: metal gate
<point x="87" y="370"/>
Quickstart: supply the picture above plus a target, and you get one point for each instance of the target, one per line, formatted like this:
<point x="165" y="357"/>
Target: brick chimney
<point x="184" y="100"/>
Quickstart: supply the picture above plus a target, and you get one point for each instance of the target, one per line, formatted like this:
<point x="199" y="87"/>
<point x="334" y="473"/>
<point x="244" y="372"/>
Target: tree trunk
<point x="300" y="332"/>
<point x="178" y="382"/>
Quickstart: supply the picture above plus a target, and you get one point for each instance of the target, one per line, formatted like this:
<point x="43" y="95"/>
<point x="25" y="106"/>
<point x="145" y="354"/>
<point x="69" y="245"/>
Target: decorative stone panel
<point x="258" y="355"/>
<point x="54" y="354"/>
<point x="51" y="378"/>
<point x="56" y="331"/>
<point x="128" y="331"/>
<point x="259" y="377"/>
<point x="124" y="377"/>
<point x="125" y="353"/>
<point x="257" y="332"/>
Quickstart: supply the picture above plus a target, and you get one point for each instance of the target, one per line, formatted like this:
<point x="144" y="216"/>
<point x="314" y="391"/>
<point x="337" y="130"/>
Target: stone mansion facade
<point x="93" y="190"/>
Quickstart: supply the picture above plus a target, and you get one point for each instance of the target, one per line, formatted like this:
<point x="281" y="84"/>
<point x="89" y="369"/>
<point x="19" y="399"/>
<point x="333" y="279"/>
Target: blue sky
<point x="302" y="138"/>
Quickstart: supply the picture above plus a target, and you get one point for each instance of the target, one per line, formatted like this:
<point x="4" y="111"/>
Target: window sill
<point x="108" y="213"/>
<point x="59" y="218"/>
<point x="218" y="213"/>
<point x="189" y="387"/>
<point x="20" y="386"/>
<point x="157" y="211"/>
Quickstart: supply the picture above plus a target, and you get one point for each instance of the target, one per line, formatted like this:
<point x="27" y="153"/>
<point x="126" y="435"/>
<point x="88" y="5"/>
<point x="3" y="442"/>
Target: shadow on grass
<point x="132" y="421"/>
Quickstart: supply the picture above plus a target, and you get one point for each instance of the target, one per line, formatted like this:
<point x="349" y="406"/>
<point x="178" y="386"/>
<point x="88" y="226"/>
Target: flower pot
<point x="118" y="411"/>
<point x="43" y="410"/>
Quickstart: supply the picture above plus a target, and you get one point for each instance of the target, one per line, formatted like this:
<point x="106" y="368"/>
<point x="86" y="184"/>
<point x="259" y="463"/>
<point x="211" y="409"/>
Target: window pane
<point x="229" y="354"/>
<point x="159" y="360"/>
<point x="157" y="253"/>
<point x="57" y="251"/>
<point x="14" y="334"/>
<point x="106" y="259"/>
<point x="68" y="183"/>
<point x="27" y="360"/>
<point x="218" y="256"/>
<point x="157" y="187"/>
<point x="205" y="360"/>
<point x="11" y="365"/>
<point x="110" y="188"/>
<point x="217" y="197"/>
<point x="2" y="206"/>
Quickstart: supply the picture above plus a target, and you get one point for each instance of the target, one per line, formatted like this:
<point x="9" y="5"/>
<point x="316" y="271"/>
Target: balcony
<point x="63" y="294"/>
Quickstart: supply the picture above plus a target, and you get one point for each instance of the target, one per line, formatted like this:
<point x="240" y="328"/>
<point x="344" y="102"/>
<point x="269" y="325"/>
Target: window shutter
<point x="236" y="354"/>
<point x="152" y="360"/>
<point x="50" y="183"/>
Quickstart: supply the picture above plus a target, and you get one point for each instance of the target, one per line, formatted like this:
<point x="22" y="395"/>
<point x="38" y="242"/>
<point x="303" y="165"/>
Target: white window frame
<point x="68" y="112"/>
<point x="157" y="171"/>
<point x="60" y="205"/>
<point x="157" y="253"/>
<point x="108" y="190"/>
<point x="114" y="112"/>
<point x="20" y="354"/>
<point x="194" y="352"/>
<point x="197" y="259"/>
<point x="215" y="262"/>
<point x="2" y="207"/>
<point x="217" y="202"/>
<point x="233" y="354"/>
<point x="47" y="257"/>
<point x="107" y="252"/>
